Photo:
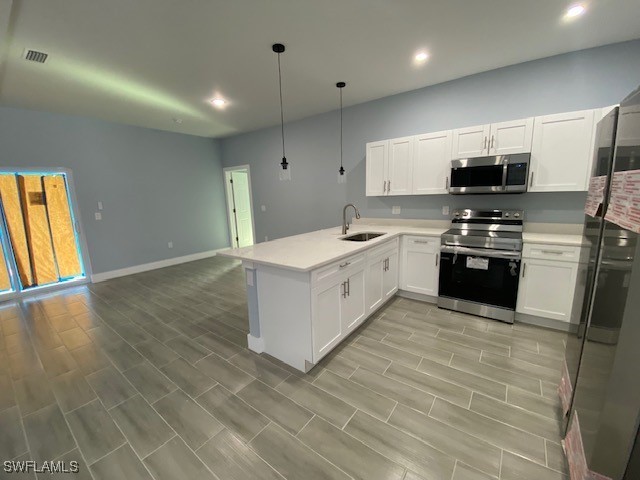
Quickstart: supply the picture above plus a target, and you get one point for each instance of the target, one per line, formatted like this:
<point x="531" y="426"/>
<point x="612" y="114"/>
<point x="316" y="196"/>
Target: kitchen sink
<point x="362" y="236"/>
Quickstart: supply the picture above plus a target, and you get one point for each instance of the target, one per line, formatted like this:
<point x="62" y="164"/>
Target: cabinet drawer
<point x="383" y="249"/>
<point x="425" y="244"/>
<point x="330" y="272"/>
<point x="563" y="253"/>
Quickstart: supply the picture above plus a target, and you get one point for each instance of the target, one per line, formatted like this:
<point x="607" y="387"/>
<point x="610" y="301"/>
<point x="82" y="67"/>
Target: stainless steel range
<point x="480" y="263"/>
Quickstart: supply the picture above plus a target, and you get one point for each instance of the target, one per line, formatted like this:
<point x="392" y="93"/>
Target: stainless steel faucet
<point x="345" y="225"/>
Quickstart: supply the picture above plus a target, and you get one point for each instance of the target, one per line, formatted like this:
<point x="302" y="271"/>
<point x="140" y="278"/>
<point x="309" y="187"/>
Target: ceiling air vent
<point x="35" y="56"/>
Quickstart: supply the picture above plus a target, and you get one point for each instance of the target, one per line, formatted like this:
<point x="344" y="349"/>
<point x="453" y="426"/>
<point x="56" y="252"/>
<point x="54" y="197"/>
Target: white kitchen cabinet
<point x="390" y="276"/>
<point x="432" y="163"/>
<point x="377" y="166"/>
<point x="493" y="139"/>
<point x="471" y="141"/>
<point x="549" y="281"/>
<point x="400" y="168"/>
<point x="382" y="275"/>
<point x="420" y="265"/>
<point x="337" y="303"/>
<point x="561" y="152"/>
<point x="353" y="311"/>
<point x="326" y="323"/>
<point x="511" y="137"/>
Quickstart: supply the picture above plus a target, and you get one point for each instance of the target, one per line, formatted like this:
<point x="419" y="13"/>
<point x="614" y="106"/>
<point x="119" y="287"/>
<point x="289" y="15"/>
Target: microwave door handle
<point x="505" y="172"/>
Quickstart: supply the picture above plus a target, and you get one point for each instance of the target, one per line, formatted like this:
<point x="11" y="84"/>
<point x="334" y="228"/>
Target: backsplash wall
<point x="591" y="78"/>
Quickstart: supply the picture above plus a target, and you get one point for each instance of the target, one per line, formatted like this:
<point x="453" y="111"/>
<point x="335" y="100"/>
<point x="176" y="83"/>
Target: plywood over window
<point x="61" y="224"/>
<point x="34" y="209"/>
<point x="15" y="224"/>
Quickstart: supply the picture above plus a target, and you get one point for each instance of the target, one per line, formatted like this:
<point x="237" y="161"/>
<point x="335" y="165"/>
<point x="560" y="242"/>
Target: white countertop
<point x="309" y="251"/>
<point x="553" y="239"/>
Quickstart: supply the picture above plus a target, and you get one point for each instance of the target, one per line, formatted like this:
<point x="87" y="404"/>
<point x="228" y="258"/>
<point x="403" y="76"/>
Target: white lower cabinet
<point x="420" y="264"/>
<point x="337" y="304"/>
<point x="548" y="281"/>
<point x="382" y="275"/>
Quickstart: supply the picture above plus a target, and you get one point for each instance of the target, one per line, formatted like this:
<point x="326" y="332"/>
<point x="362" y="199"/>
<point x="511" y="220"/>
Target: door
<point x="239" y="206"/>
<point x="326" y="322"/>
<point x="375" y="271"/>
<point x="377" y="168"/>
<point x="486" y="280"/>
<point x="511" y="137"/>
<point x="420" y="265"/>
<point x="561" y="152"/>
<point x="432" y="163"/>
<point x="400" y="166"/>
<point x="390" y="276"/>
<point x="547" y="289"/>
<point x="353" y="311"/>
<point x="471" y="141"/>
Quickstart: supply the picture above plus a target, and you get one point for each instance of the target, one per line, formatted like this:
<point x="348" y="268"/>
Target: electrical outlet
<point x="98" y="216"/>
<point x="266" y="239"/>
<point x="445" y="210"/>
<point x="263" y="208"/>
<point x="170" y="244"/>
<point x="99" y="205"/>
<point x="395" y="210"/>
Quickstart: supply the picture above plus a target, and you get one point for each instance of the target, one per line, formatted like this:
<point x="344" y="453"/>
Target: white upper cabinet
<point x="400" y="166"/>
<point x="493" y="139"/>
<point x="511" y="137"/>
<point x="432" y="163"/>
<point x="561" y="153"/>
<point x="377" y="168"/>
<point x="471" y="141"/>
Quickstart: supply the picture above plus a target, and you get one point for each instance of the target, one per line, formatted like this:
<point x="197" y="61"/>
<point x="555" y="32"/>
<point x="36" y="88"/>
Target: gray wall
<point x="313" y="199"/>
<point x="155" y="186"/>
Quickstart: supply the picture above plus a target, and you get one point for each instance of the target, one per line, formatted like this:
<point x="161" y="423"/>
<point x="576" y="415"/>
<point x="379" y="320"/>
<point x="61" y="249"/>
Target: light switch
<point x="445" y="210"/>
<point x="263" y="208"/>
<point x="99" y="205"/>
<point x="98" y="216"/>
<point x="395" y="210"/>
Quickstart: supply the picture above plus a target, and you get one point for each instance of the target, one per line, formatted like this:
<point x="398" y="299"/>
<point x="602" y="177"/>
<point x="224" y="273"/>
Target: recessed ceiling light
<point x="177" y="120"/>
<point x="219" y="102"/>
<point x="575" y="11"/>
<point x="421" y="57"/>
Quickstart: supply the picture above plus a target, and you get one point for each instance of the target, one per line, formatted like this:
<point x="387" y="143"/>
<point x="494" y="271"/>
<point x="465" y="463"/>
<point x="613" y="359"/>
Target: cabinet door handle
<point x="345" y="264"/>
<point x="446" y="183"/>
<point x="344" y="289"/>
<point x="484" y="145"/>
<point x="524" y="269"/>
<point x="552" y="252"/>
<point x="348" y="287"/>
<point x="437" y="259"/>
<point x="531" y="179"/>
<point x="493" y="140"/>
<point x="389" y="186"/>
<point x="421" y="241"/>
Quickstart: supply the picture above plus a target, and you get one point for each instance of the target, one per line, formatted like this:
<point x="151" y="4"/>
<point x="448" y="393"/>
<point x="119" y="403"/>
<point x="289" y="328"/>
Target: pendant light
<point x="279" y="48"/>
<point x="340" y="86"/>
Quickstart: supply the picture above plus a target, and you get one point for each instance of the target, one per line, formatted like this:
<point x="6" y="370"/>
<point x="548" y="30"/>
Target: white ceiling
<point x="146" y="62"/>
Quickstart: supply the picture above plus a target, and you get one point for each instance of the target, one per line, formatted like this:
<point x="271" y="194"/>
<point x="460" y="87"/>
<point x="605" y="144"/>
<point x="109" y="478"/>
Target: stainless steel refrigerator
<point x="601" y="384"/>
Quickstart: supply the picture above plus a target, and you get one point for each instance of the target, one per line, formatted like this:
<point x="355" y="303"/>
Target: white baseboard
<point x="122" y="272"/>
<point x="255" y="344"/>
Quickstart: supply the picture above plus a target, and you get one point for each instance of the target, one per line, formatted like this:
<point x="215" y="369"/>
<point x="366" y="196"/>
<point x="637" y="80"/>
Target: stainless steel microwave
<point x="495" y="174"/>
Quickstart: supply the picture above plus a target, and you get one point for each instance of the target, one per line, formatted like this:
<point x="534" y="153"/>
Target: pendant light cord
<point x="281" y="108"/>
<point x="341" y="128"/>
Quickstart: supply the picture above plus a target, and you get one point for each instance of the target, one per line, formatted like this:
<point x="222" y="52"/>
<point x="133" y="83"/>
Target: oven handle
<point x="481" y="252"/>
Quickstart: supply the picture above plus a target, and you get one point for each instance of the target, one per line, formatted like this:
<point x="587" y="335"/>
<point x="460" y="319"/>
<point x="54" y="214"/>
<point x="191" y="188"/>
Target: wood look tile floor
<point x="149" y="377"/>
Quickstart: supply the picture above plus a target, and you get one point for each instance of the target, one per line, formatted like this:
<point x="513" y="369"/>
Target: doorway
<point x="237" y="183"/>
<point x="41" y="247"/>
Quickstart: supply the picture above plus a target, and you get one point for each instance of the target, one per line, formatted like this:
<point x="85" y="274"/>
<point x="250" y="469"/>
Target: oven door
<point x="488" y="277"/>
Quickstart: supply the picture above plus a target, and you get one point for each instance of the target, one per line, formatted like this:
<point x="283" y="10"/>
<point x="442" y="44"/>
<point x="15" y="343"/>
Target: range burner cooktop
<point x="491" y="229"/>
